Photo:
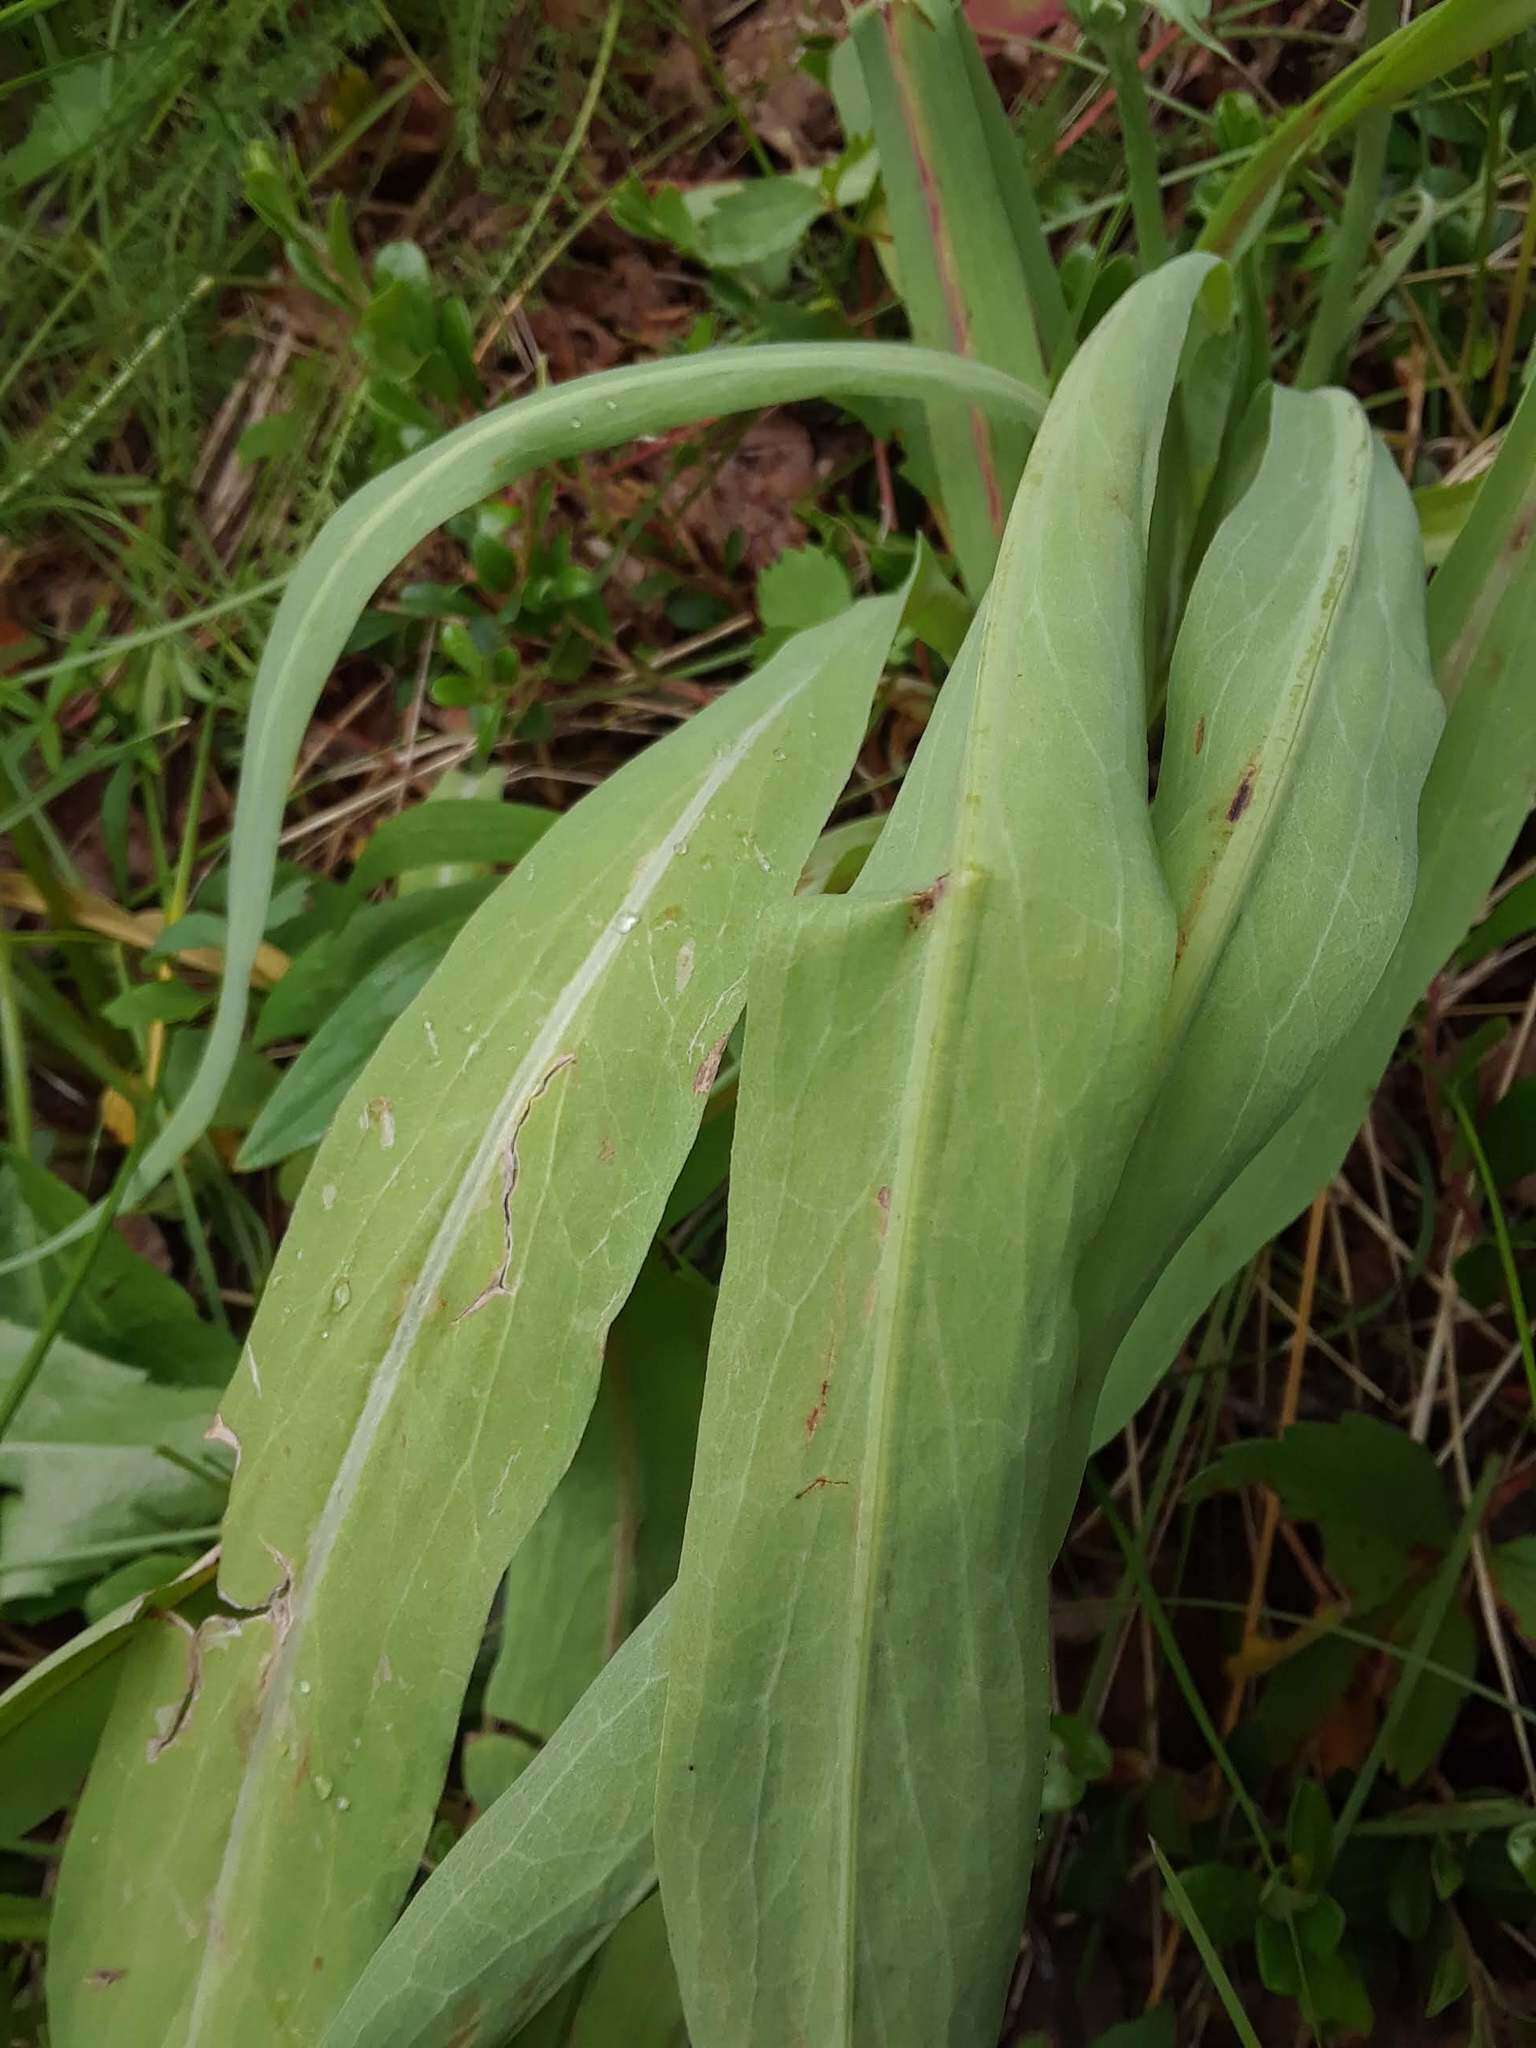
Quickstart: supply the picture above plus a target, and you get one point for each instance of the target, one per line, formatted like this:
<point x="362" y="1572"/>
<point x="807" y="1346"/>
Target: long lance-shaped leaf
<point x="1482" y="628"/>
<point x="425" y="1359"/>
<point x="968" y="242"/>
<point x="537" y="1884"/>
<point x="1449" y="35"/>
<point x="377" y="528"/>
<point x="943" y="1073"/>
<point x="1302" y="717"/>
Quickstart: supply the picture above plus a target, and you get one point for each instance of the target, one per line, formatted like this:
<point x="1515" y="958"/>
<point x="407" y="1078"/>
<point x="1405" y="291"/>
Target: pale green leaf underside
<point x="942" y="1074"/>
<point x="1482" y="614"/>
<point x="1301" y="722"/>
<point x="425" y="1356"/>
<point x="82" y="1463"/>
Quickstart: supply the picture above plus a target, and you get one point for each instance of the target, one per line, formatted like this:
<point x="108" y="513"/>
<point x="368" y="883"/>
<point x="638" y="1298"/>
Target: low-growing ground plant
<point x="1010" y="1082"/>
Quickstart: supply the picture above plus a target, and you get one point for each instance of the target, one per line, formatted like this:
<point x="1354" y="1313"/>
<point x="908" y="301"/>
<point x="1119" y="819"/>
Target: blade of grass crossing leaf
<point x="857" y="1715"/>
<point x="427" y="1351"/>
<point x="537" y="1884"/>
<point x="379" y="526"/>
<point x="1215" y="1968"/>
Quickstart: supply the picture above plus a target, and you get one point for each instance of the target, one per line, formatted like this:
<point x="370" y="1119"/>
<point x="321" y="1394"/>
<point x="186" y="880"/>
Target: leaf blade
<point x="462" y="1335"/>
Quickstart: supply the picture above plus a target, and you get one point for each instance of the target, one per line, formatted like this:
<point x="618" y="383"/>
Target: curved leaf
<point x="1482" y="619"/>
<point x="377" y="528"/>
<point x="1301" y="722"/>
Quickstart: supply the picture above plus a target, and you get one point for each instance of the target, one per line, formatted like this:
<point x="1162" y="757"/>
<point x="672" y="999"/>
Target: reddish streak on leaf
<point x="949" y="284"/>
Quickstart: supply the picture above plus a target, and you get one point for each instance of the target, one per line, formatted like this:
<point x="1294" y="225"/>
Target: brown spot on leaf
<point x="1242" y="796"/>
<point x="926" y="901"/>
<point x="818" y="1483"/>
<point x="468" y="2029"/>
<point x="813" y="1421"/>
<point x="103" y="1980"/>
<point x="709" y="1066"/>
<point x="605" y="1152"/>
<point x="1199" y="733"/>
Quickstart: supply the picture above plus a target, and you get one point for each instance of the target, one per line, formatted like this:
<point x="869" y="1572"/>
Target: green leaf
<point x="299" y="1110"/>
<point x="1374" y="1492"/>
<point x="882" y="1433"/>
<point x="803" y="587"/>
<point x="276" y="434"/>
<point x="377" y="528"/>
<point x="1509" y="1134"/>
<point x="127" y="1310"/>
<point x="445" y="834"/>
<point x="1521" y="1848"/>
<point x="22" y="1918"/>
<point x="1301" y="720"/>
<point x="83" y="1465"/>
<point x="1424" y="1727"/>
<point x="1184" y="1906"/>
<point x="1223" y="1899"/>
<point x="1482" y="618"/>
<point x="334" y="962"/>
<point x="1513" y="1566"/>
<point x="1152" y="2030"/>
<point x="51" y="1719"/>
<point x="1411" y="1892"/>
<point x="1447" y="1866"/>
<point x="1309" y="1835"/>
<point x="477" y="1214"/>
<point x="1336" y="1995"/>
<point x="1275" y="1950"/>
<point x="537" y="1884"/>
<point x="762" y="219"/>
<point x="1449" y="1976"/>
<point x="606" y="1548"/>
<point x="628" y="1994"/>
<point x="156" y="1002"/>
<point x="73" y="112"/>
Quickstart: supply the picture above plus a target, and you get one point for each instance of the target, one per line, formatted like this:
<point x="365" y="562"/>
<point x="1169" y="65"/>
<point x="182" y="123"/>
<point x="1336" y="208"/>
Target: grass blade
<point x="1215" y="1968"/>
